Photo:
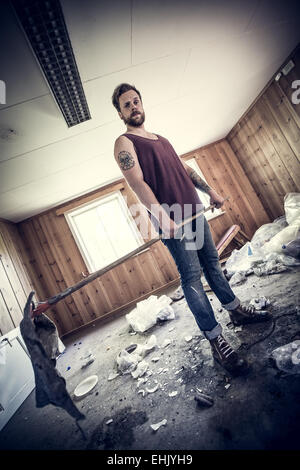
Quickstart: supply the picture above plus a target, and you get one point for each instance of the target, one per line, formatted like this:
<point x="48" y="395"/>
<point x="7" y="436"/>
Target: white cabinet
<point x="16" y="374"/>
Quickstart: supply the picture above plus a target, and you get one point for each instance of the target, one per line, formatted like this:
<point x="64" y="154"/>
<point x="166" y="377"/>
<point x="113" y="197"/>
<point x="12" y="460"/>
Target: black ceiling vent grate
<point x="45" y="27"/>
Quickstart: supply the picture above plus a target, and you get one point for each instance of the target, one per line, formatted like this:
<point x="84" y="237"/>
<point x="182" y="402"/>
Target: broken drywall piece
<point x="109" y="421"/>
<point x="188" y="338"/>
<point x="260" y="303"/>
<point x="113" y="375"/>
<point x="238" y="278"/>
<point x="140" y="370"/>
<point x="156" y="426"/>
<point x="154" y="389"/>
<point x="155" y="359"/>
<point x="238" y="328"/>
<point x="166" y="343"/>
<point x="173" y="394"/>
<point x="227" y="386"/>
<point x="127" y="362"/>
<point x="128" y="358"/>
<point x="148" y="311"/>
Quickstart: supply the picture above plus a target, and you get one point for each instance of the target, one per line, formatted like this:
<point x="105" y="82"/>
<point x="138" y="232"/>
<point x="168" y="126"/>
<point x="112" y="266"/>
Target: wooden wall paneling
<point x="273" y="131"/>
<point x="53" y="266"/>
<point x="279" y="106"/>
<point x="43" y="278"/>
<point x="136" y="277"/>
<point x="96" y="304"/>
<point x="248" y="200"/>
<point x="53" y="229"/>
<point x="16" y="250"/>
<point x="275" y="190"/>
<point x="6" y="323"/>
<point x="110" y="285"/>
<point x="271" y="163"/>
<point x="164" y="262"/>
<point x="285" y="84"/>
<point x="155" y="277"/>
<point x="260" y="176"/>
<point x="253" y="202"/>
<point x="225" y="185"/>
<point x="279" y="170"/>
<point x="243" y="153"/>
<point x="10" y="285"/>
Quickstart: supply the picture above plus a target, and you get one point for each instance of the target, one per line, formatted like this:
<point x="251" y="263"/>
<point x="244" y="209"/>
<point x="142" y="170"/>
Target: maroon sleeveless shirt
<point x="165" y="174"/>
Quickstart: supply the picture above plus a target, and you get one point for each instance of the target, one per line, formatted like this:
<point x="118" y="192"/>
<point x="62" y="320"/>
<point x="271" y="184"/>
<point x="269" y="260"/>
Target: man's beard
<point x="135" y="122"/>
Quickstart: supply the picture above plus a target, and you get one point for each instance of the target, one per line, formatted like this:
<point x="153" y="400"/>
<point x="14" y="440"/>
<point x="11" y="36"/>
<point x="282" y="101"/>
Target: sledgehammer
<point x="43" y="306"/>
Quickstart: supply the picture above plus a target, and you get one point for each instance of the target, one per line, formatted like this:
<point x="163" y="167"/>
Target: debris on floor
<point x="287" y="357"/>
<point x="87" y="359"/>
<point x="260" y="303"/>
<point x="265" y="254"/>
<point x="177" y="294"/>
<point x="149" y="311"/>
<point x="156" y="426"/>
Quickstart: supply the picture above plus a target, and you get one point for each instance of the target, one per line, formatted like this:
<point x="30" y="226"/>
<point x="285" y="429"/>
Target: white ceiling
<point x="198" y="64"/>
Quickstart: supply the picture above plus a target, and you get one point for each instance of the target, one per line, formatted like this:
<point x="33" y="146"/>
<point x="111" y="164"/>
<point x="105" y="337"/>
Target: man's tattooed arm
<point x="126" y="160"/>
<point x="198" y="181"/>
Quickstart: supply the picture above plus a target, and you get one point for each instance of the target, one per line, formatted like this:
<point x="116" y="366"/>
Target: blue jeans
<point x="190" y="264"/>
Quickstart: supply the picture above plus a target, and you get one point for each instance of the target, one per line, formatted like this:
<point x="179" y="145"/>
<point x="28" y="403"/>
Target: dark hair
<point x="119" y="90"/>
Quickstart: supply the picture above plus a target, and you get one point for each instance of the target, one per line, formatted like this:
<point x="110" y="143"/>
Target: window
<point x="104" y="230"/>
<point x="203" y="196"/>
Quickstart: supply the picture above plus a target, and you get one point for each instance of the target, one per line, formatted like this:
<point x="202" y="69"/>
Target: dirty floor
<point x="257" y="411"/>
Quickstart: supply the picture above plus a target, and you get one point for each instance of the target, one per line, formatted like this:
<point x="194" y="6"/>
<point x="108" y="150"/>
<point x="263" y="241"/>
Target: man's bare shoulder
<point x="122" y="141"/>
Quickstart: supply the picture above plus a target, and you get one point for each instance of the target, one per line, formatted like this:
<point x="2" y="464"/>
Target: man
<point x="161" y="179"/>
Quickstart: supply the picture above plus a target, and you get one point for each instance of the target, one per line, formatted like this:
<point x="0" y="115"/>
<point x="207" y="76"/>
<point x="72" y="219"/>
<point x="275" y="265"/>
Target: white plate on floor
<point x="85" y="386"/>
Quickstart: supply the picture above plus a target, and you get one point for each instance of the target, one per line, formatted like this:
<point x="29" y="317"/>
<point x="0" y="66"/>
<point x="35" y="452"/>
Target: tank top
<point x="164" y="172"/>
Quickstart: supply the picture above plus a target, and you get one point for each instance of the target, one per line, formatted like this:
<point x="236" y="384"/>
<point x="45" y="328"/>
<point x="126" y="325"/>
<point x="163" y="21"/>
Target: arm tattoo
<point x="126" y="160"/>
<point x="199" y="182"/>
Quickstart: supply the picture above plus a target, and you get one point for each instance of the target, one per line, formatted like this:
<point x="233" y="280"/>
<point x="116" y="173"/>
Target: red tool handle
<point x="41" y="308"/>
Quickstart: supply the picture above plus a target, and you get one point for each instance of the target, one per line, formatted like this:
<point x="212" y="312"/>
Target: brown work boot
<point x="224" y="354"/>
<point x="245" y="314"/>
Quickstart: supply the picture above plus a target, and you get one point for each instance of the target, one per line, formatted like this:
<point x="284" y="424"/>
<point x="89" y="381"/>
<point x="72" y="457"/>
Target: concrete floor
<point x="257" y="411"/>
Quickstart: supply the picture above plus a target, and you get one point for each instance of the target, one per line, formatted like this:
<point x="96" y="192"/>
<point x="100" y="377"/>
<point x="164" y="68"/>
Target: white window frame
<point x="71" y="220"/>
<point x="192" y="162"/>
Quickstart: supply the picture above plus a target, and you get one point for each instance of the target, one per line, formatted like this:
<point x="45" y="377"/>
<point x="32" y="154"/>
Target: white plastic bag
<point x="146" y="313"/>
<point x="265" y="232"/>
<point x="287" y="357"/>
<point x="292" y="207"/>
<point x="283" y="237"/>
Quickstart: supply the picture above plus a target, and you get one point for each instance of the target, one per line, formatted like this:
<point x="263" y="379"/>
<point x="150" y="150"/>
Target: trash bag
<point x="292" y="208"/>
<point x="292" y="248"/>
<point x="283" y="237"/>
<point x="267" y="231"/>
<point x="287" y="357"/>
